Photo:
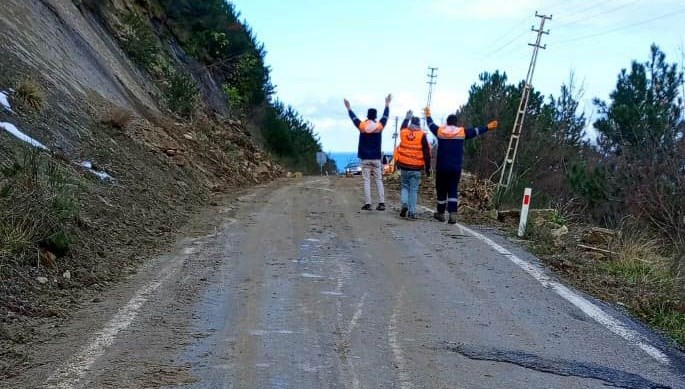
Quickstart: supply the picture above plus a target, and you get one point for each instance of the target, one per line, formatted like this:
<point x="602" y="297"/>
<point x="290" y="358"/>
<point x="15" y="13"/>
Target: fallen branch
<point x="597" y="249"/>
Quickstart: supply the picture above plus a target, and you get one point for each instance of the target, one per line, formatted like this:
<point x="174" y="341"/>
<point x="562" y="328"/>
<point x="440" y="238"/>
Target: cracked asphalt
<point x="292" y="286"/>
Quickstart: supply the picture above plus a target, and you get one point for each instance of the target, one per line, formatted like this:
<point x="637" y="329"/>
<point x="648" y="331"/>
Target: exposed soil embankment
<point x="119" y="174"/>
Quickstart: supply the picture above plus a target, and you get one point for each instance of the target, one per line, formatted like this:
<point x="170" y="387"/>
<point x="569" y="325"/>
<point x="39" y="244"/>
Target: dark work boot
<point x="439" y="217"/>
<point x="453" y="218"/>
<point x="403" y="212"/>
<point x="380" y="207"/>
<point x="366" y="207"/>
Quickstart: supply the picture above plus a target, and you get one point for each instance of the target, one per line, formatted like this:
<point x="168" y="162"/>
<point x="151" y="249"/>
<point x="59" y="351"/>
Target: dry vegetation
<point x="30" y="95"/>
<point x="37" y="207"/>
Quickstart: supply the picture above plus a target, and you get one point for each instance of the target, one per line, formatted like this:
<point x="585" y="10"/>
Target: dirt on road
<point x="291" y="285"/>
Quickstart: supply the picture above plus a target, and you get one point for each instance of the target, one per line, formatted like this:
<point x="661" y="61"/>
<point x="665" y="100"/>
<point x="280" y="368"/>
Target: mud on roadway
<point x="291" y="285"/>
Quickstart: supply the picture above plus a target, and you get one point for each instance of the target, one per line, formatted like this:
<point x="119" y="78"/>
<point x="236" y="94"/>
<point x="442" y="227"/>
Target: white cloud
<point x="335" y="129"/>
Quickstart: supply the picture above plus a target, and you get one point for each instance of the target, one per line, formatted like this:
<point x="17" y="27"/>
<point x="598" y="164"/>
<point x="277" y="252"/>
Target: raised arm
<point x="407" y="119"/>
<point x="426" y="153"/>
<point x="354" y="117"/>
<point x="429" y="121"/>
<point x="474" y="132"/>
<point x="386" y="111"/>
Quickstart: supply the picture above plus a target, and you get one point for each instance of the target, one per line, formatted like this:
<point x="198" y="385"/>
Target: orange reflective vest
<point x="370" y="127"/>
<point x="410" y="151"/>
<point x="451" y="132"/>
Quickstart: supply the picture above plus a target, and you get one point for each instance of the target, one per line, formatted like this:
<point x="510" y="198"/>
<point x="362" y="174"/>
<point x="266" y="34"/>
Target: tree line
<point x="632" y="171"/>
<point x="211" y="31"/>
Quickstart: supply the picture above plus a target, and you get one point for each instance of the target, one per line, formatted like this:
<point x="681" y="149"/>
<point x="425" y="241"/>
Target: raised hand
<point x="427" y="111"/>
<point x="388" y="99"/>
<point x="347" y="104"/>
<point x="492" y="125"/>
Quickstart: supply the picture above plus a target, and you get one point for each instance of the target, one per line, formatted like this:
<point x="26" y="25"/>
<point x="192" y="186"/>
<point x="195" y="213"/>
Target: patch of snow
<point x="12" y="129"/>
<point x="104" y="176"/>
<point x="4" y="101"/>
<point x="310" y="275"/>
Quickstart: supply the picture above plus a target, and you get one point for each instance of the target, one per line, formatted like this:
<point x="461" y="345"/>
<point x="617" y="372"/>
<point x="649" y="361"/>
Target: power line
<point x="516" y="26"/>
<point x="595" y="5"/>
<point x="504" y="46"/>
<point x="518" y="23"/>
<point x="598" y="14"/>
<point x="646" y="21"/>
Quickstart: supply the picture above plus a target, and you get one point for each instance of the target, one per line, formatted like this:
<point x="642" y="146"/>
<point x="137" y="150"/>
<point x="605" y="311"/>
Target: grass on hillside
<point x="38" y="206"/>
<point x="639" y="276"/>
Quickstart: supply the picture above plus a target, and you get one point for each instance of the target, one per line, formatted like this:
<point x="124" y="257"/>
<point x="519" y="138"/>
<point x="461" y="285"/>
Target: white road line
<point x="68" y="376"/>
<point x="590" y="309"/>
<point x="405" y="382"/>
<point x="353" y="323"/>
<point x="357" y="315"/>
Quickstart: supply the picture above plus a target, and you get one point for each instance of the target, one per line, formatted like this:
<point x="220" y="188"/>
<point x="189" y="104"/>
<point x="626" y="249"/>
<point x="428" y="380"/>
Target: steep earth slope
<point x="97" y="171"/>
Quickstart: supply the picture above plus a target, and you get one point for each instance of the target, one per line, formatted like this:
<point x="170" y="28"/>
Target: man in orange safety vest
<point x="412" y="156"/>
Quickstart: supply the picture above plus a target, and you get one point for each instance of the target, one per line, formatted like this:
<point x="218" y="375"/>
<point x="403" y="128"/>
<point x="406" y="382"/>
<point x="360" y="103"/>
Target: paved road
<point x="297" y="288"/>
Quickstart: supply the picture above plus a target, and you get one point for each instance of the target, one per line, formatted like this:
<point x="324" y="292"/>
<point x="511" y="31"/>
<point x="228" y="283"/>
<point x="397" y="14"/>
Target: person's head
<point x="452" y="120"/>
<point x="372" y="114"/>
<point x="415" y="122"/>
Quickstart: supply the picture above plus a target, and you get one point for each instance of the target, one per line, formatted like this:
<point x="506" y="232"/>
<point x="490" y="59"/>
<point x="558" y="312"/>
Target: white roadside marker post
<point x="524" y="212"/>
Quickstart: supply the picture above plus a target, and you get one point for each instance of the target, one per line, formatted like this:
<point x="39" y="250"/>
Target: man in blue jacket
<point x="369" y="150"/>
<point x="451" y="139"/>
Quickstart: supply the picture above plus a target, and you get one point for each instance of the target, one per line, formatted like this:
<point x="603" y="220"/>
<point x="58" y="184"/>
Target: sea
<point x="342" y="158"/>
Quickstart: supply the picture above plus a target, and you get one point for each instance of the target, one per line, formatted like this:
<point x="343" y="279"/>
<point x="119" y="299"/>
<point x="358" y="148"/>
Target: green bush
<point x="140" y="41"/>
<point x="181" y="94"/>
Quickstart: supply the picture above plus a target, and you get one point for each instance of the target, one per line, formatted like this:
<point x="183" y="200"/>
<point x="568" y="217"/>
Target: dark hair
<point x="416" y="121"/>
<point x="372" y="114"/>
<point x="452" y="120"/>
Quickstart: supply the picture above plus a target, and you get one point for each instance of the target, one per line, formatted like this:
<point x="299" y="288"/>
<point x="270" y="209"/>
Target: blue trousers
<point x="410" y="188"/>
<point x="447" y="189"/>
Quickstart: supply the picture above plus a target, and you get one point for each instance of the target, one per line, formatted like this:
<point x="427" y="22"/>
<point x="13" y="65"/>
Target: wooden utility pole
<point x="510" y="157"/>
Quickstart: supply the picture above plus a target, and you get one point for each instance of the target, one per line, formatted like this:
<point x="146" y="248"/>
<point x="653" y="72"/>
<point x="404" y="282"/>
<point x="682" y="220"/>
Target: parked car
<point x="353" y="169"/>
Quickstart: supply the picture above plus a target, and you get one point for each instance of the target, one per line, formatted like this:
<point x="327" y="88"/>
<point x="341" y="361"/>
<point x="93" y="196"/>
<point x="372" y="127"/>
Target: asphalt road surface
<point x="294" y="286"/>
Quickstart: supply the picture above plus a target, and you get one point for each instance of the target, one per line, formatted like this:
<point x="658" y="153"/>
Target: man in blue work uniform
<point x="450" y="156"/>
<point x="369" y="150"/>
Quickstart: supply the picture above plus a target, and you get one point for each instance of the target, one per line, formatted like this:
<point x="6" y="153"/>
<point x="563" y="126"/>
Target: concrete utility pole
<point x="431" y="81"/>
<point x="510" y="157"/>
<point x="394" y="136"/>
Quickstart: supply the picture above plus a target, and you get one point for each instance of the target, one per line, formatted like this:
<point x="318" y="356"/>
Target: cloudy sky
<point x="323" y="51"/>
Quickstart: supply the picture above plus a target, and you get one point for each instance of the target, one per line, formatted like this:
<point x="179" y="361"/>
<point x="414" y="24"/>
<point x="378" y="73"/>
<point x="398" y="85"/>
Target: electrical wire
<point x="598" y="14"/>
<point x="515" y="27"/>
<point x="502" y="47"/>
<point x="642" y="22"/>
